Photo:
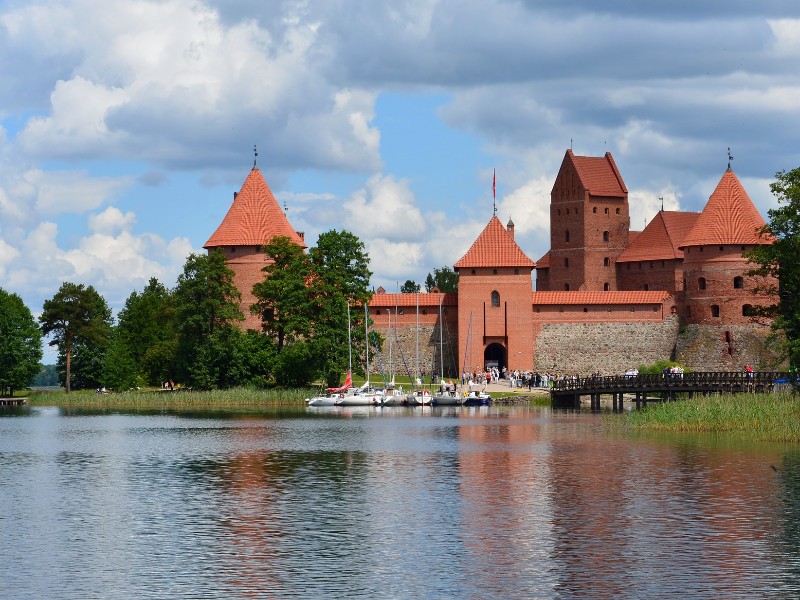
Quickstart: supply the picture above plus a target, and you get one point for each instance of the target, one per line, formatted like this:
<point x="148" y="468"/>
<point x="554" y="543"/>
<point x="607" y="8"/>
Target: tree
<point x="340" y="279"/>
<point x="409" y="287"/>
<point x="780" y="260"/>
<point x="207" y="310"/>
<point x="147" y="321"/>
<point x="20" y="344"/>
<point x="304" y="301"/>
<point x="444" y="279"/>
<point x="283" y="296"/>
<point x="120" y="371"/>
<point x="79" y="319"/>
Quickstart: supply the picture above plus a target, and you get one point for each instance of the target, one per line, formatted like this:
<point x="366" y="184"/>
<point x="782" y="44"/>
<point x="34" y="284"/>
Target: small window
<point x="566" y="263"/>
<point x="377" y="312"/>
<point x="722" y="248"/>
<point x="701" y="283"/>
<point x="738" y="283"/>
<point x="566" y="235"/>
<point x="605" y="210"/>
<point x="748" y="310"/>
<point x="495" y="298"/>
<point x="424" y="311"/>
<point x="594" y="209"/>
<point x="715" y="310"/>
<point x="494" y="271"/>
<point x="472" y="272"/>
<point x="566" y="287"/>
<point x="585" y="309"/>
<point x="566" y="212"/>
<point x="558" y="212"/>
<point x="617" y="211"/>
<point x="606" y="286"/>
<point x="233" y="249"/>
<point x="605" y="236"/>
<point x="400" y="311"/>
<point x="606" y="262"/>
<point x="645" y="287"/>
<point x="516" y="271"/>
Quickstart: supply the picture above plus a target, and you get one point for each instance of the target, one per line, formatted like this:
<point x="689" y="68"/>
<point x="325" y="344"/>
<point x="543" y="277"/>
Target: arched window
<point x="714" y="310"/>
<point x="566" y="263"/>
<point x="738" y="283"/>
<point x="606" y="262"/>
<point x="701" y="283"/>
<point x="495" y="298"/>
<point x="605" y="210"/>
<point x="606" y="286"/>
<point x="594" y="209"/>
<point x="605" y="236"/>
<point x="566" y="235"/>
<point x="566" y="287"/>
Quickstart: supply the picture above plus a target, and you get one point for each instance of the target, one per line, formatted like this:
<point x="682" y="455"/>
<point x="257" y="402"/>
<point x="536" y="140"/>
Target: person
<point x="749" y="371"/>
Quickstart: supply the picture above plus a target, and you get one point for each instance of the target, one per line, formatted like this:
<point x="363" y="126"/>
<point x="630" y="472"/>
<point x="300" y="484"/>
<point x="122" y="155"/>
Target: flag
<point x="494" y="184"/>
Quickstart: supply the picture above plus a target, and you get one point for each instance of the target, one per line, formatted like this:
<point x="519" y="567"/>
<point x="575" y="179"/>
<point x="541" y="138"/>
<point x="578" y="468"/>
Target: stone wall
<point x="404" y="351"/>
<point x="726" y="348"/>
<point x="608" y="348"/>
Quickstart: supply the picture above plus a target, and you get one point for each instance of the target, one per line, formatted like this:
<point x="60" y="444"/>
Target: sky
<point x="126" y="127"/>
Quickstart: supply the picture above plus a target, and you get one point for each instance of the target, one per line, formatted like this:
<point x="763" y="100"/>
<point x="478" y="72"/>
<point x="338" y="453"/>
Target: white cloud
<point x="111" y="220"/>
<point x="385" y="208"/>
<point x="59" y="192"/>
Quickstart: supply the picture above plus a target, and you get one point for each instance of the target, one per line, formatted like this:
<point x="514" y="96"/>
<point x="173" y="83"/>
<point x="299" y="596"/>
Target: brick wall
<point x="246" y="262"/>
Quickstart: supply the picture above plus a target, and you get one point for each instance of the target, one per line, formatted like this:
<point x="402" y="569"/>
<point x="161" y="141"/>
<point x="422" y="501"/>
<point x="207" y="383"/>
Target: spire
<point x="255" y="155"/>
<point x="730" y="158"/>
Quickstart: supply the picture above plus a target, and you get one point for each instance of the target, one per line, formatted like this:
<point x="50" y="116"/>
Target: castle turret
<point x="253" y="219"/>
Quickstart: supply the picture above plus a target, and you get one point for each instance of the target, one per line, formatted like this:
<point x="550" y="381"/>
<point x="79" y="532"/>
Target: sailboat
<point x="447" y="395"/>
<point x="361" y="396"/>
<point x="420" y="396"/>
<point x="474" y="397"/>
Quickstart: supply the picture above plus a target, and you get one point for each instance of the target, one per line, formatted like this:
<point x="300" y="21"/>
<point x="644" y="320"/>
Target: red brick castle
<point x="607" y="298"/>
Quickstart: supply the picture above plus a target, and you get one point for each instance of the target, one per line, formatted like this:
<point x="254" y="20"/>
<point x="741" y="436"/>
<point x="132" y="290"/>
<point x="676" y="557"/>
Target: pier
<point x="568" y="392"/>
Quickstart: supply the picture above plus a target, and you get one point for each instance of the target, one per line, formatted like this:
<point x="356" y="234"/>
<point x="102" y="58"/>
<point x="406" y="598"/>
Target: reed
<point x="764" y="417"/>
<point x="184" y="399"/>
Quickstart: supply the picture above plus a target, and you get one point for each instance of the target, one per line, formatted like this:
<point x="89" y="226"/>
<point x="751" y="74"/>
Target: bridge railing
<point x="671" y="381"/>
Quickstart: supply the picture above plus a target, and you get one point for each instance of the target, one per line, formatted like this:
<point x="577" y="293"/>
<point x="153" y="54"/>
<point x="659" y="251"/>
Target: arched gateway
<point x="495" y="356"/>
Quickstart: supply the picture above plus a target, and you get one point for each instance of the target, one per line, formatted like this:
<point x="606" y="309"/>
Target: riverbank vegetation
<point x="240" y="397"/>
<point x="763" y="417"/>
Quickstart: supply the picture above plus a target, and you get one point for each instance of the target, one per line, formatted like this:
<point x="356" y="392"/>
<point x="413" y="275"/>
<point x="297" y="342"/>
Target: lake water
<point x="497" y="502"/>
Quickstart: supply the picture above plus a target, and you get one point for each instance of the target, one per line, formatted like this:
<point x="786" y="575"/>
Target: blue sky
<point x="125" y="127"/>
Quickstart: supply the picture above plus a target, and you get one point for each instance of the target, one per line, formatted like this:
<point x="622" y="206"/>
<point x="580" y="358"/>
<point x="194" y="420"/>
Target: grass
<point x="155" y="398"/>
<point x="763" y="417"/>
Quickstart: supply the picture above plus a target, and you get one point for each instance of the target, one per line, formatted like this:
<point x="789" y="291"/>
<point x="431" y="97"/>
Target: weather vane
<point x="730" y="158"/>
<point x="255" y="157"/>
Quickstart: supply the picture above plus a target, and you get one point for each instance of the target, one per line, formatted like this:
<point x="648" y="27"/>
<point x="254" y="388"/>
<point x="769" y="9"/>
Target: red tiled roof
<point x="254" y="218"/>
<point x="598" y="174"/>
<point x="634" y="297"/>
<point x="494" y="248"/>
<point x="424" y="299"/>
<point x="544" y="262"/>
<point x="729" y="217"/>
<point x="661" y="237"/>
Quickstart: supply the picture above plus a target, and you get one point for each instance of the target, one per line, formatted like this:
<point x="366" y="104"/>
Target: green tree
<point x="283" y="297"/>
<point x="207" y="311"/>
<point x="147" y="321"/>
<point x="304" y="300"/>
<point x="780" y="260"/>
<point x="20" y="344"/>
<point x="444" y="279"/>
<point x="409" y="287"/>
<point x="340" y="279"/>
<point x="120" y="371"/>
<point x="80" y="321"/>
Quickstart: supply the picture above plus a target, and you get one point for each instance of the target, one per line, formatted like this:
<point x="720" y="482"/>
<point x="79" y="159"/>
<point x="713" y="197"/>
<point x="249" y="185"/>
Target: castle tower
<point x="589" y="225"/>
<point x="717" y="288"/>
<point x="253" y="219"/>
<point x="495" y="322"/>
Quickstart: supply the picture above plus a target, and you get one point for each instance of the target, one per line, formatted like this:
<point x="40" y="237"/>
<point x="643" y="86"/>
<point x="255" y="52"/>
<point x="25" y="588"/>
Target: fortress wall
<point x="609" y="348"/>
<point x="727" y="348"/>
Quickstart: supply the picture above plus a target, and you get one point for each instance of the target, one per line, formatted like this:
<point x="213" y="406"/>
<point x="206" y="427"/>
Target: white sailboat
<point x="447" y="395"/>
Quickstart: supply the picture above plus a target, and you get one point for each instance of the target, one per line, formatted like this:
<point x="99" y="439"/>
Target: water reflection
<point x="486" y="502"/>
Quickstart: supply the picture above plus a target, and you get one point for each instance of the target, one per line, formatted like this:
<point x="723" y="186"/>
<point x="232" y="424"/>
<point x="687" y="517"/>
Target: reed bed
<point x="179" y="399"/>
<point x="763" y="417"/>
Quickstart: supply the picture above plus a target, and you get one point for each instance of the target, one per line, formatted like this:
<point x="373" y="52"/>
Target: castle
<point x="606" y="298"/>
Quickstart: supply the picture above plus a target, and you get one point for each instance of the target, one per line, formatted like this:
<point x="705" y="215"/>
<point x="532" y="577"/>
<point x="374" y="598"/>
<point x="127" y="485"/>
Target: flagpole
<point x="494" y="190"/>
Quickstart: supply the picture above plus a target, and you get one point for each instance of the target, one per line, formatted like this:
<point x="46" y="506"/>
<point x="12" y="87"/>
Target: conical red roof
<point x="729" y="217"/>
<point x="661" y="239"/>
<point x="254" y="218"/>
<point x="494" y="248"/>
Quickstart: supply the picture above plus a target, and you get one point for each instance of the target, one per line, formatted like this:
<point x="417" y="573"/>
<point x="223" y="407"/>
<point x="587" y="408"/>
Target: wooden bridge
<point x="568" y="391"/>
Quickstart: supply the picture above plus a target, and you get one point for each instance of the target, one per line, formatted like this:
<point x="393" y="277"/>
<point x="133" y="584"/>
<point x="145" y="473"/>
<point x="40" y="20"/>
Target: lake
<point x="490" y="502"/>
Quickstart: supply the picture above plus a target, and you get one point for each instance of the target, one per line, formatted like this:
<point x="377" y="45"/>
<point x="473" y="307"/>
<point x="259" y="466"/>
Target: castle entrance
<point x="495" y="356"/>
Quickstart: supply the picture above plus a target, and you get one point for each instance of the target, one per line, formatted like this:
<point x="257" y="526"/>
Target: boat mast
<point x="416" y="367"/>
<point x="441" y="341"/>
<point x="366" y="338"/>
<point x="349" y="343"/>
